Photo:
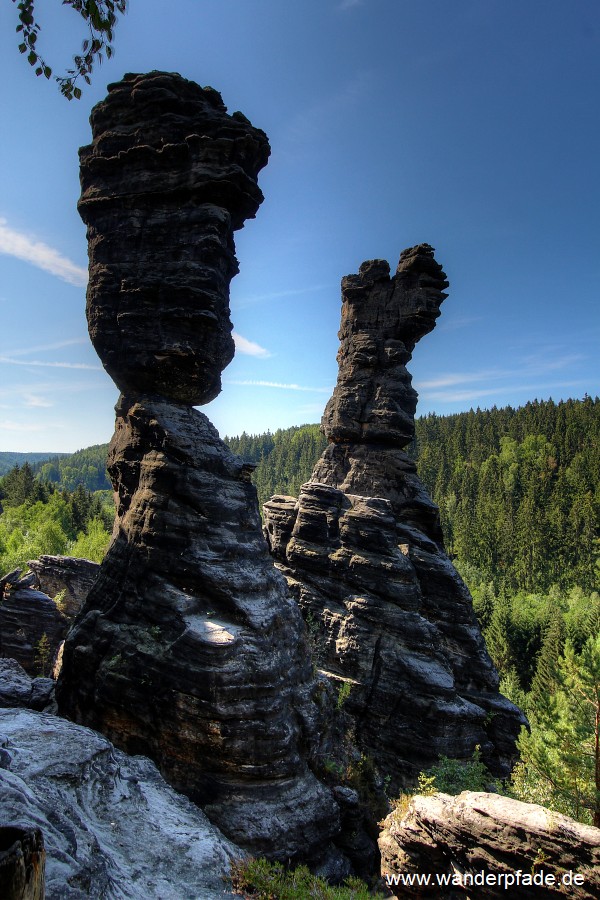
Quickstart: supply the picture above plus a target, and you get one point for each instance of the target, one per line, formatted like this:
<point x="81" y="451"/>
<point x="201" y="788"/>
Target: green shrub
<point x="262" y="880"/>
<point x="452" y="776"/>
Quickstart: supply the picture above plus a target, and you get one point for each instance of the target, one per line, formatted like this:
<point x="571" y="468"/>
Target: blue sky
<point x="472" y="125"/>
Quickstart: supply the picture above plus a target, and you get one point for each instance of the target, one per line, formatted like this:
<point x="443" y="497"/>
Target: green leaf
<point x="32" y="58"/>
<point x="22" y="48"/>
<point x="77" y="93"/>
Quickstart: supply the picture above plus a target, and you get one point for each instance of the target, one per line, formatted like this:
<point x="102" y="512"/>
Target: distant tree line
<point x="284" y="460"/>
<point x="86" y="467"/>
<point x="518" y="491"/>
<point x="9" y="460"/>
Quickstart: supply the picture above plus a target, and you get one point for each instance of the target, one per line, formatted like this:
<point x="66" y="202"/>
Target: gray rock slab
<point x="112" y="827"/>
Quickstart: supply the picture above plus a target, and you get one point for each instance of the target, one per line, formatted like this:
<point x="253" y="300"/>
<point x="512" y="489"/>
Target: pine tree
<point x="499" y="636"/>
<point x="561" y="754"/>
<point x="43" y="655"/>
<point x="546" y="678"/>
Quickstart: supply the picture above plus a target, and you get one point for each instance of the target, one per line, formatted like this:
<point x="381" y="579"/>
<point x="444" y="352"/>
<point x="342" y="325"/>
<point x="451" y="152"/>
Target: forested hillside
<point x="86" y="467"/>
<point x="518" y="490"/>
<point x="9" y="460"/>
<point x="284" y="460"/>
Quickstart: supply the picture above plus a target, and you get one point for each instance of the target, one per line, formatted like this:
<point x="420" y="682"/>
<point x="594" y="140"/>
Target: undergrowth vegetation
<point x="262" y="880"/>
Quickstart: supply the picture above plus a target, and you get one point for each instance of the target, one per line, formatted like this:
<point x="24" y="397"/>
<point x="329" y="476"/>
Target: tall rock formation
<point x="363" y="553"/>
<point x="188" y="648"/>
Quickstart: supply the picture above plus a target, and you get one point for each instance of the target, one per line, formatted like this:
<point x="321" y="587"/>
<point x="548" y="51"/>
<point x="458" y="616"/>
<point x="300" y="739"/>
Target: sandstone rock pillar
<point x="188" y="648"/>
<point x="362" y="547"/>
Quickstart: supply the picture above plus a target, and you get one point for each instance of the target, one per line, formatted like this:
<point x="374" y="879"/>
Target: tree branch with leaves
<point x="101" y="18"/>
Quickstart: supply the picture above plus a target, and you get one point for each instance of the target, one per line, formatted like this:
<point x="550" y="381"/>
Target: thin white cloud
<point x="532" y="388"/>
<point x="53" y="387"/>
<point x="539" y="362"/>
<point x="277" y="295"/>
<point x="454" y="378"/>
<point x="459" y="322"/>
<point x="7" y="360"/>
<point x="280" y="386"/>
<point x="249" y="348"/>
<point x="22" y="246"/>
<point x="41" y="348"/>
<point x="528" y="366"/>
<point x="36" y="401"/>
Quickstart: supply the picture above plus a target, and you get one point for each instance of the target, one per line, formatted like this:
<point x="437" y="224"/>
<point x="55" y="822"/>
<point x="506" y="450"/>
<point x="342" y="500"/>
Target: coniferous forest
<point x="519" y="498"/>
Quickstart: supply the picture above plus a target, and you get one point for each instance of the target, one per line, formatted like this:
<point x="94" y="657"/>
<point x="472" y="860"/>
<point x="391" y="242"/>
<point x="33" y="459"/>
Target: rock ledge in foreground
<point x="478" y="832"/>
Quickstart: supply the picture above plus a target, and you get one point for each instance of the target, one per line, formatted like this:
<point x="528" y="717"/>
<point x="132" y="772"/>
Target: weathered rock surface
<point x="363" y="553"/>
<point x="476" y="833"/>
<point x="168" y="177"/>
<point x="112" y="827"/>
<point x="25" y="616"/>
<point x="18" y="689"/>
<point x="188" y="648"/>
<point x="74" y="576"/>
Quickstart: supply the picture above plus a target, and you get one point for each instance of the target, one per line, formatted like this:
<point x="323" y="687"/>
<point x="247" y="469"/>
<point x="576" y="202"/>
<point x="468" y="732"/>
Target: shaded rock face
<point x="478" y="832"/>
<point x="26" y="616"/>
<point x="18" y="689"/>
<point x="22" y="859"/>
<point x="188" y="648"/>
<point x="112" y="827"/>
<point x="363" y="553"/>
<point x="74" y="576"/>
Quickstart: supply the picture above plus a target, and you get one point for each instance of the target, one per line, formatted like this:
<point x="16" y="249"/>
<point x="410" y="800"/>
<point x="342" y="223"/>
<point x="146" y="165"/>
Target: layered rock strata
<point x="66" y="575"/>
<point x="486" y="845"/>
<point x="363" y="553"/>
<point x="188" y="648"/>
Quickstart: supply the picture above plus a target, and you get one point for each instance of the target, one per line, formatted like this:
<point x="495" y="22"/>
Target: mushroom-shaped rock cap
<point x="168" y="177"/>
